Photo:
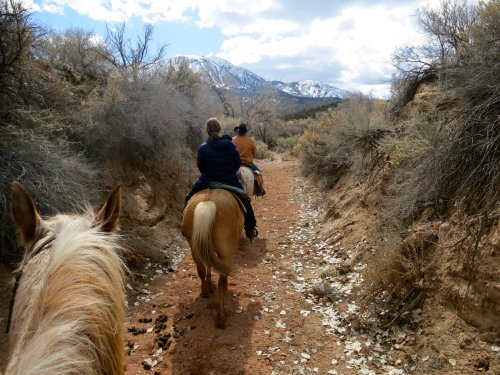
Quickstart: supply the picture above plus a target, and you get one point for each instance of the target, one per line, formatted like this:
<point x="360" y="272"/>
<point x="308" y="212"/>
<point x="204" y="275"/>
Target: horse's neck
<point x="69" y="307"/>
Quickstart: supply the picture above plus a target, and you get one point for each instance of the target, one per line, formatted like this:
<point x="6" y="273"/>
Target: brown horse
<point x="68" y="306"/>
<point x="212" y="224"/>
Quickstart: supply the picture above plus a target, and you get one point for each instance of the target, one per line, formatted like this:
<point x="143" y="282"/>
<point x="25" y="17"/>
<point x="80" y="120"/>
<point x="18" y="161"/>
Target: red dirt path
<point x="252" y="342"/>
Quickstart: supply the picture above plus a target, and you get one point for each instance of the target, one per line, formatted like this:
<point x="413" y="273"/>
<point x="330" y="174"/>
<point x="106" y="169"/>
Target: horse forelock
<point x="70" y="303"/>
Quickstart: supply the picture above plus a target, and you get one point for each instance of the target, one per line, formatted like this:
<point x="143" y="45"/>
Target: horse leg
<point x="221" y="316"/>
<point x="202" y="274"/>
<point x="210" y="284"/>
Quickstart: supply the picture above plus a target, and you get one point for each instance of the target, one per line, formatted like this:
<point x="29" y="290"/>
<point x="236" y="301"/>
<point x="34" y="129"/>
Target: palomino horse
<point x="68" y="305"/>
<point x="212" y="224"/>
<point x="247" y="178"/>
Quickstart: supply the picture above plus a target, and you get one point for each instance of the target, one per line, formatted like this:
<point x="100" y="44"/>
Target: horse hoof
<point x="220" y="322"/>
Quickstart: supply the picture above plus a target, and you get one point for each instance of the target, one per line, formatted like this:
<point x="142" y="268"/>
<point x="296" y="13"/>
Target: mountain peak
<point x="224" y="74"/>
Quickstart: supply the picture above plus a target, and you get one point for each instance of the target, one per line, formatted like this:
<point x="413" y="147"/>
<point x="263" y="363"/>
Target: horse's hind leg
<point x="210" y="284"/>
<point x="221" y="316"/>
<point x="202" y="274"/>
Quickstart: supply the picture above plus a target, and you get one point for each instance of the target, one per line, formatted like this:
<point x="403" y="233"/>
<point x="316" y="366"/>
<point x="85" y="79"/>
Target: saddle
<point x="244" y="202"/>
<point x="238" y="193"/>
<point x="259" y="181"/>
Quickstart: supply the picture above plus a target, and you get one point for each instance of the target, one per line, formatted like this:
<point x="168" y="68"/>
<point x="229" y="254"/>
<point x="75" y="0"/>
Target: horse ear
<point x="109" y="213"/>
<point x="23" y="212"/>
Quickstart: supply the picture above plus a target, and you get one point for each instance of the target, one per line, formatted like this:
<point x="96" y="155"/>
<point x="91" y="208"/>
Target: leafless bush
<point x="124" y="52"/>
<point x="477" y="79"/>
<point x="18" y="34"/>
<point x="342" y="138"/>
<point x="287" y="144"/>
<point x="467" y="169"/>
<point x="262" y="150"/>
<point x="144" y="134"/>
<point x="404" y="86"/>
<point x="77" y="49"/>
<point x="57" y="181"/>
<point x="394" y="283"/>
<point x="448" y="31"/>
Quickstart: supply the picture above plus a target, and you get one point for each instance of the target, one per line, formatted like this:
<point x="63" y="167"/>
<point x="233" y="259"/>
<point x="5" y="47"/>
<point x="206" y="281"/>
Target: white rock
<point x="280" y="324"/>
<point x="306" y="356"/>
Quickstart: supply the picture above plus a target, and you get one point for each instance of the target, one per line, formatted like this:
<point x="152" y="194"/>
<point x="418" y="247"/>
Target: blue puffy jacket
<point x="219" y="161"/>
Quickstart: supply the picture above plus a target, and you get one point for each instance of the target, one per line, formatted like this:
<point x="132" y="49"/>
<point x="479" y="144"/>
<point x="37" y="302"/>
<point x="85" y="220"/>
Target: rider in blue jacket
<point x="219" y="160"/>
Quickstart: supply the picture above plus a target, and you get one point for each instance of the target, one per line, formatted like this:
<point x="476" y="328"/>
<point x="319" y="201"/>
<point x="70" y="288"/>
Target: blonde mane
<point x="69" y="307"/>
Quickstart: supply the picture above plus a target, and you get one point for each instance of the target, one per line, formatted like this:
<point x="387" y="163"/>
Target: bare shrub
<point x="286" y="134"/>
<point x="185" y="80"/>
<point x="448" y="31"/>
<point x="394" y="283"/>
<point x="477" y="79"/>
<point x="404" y="86"/>
<point x="18" y="34"/>
<point x="287" y="144"/>
<point x="58" y="181"/>
<point x="136" y="54"/>
<point x="262" y="150"/>
<point x="467" y="169"/>
<point x="342" y="137"/>
<point x="75" y="48"/>
<point x="144" y="134"/>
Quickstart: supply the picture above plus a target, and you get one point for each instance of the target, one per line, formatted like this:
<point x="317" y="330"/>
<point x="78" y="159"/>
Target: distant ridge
<point x="311" y="89"/>
<point x="223" y="74"/>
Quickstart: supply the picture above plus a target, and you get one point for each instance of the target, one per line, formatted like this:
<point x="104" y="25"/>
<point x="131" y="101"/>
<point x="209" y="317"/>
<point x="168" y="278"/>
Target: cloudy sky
<point x="345" y="43"/>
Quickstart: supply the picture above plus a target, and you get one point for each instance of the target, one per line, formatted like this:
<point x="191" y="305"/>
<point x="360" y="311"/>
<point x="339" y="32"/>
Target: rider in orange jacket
<point x="248" y="151"/>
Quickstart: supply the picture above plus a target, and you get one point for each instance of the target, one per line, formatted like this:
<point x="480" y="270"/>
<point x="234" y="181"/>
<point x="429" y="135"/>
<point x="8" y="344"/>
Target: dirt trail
<point x="273" y="326"/>
<point x="260" y="296"/>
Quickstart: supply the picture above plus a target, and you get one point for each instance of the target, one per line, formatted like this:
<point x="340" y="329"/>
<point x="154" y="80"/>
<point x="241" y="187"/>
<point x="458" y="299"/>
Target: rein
<point x="19" y="274"/>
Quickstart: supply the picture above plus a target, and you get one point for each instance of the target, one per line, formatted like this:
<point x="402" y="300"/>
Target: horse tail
<point x="203" y="246"/>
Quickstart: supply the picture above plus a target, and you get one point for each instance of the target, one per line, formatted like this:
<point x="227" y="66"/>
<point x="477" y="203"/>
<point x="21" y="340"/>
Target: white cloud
<point x="360" y="39"/>
<point x="355" y="38"/>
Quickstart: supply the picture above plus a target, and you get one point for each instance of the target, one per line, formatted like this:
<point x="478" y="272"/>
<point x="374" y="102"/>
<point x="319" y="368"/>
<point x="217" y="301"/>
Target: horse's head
<point x="67" y="307"/>
<point x="31" y="227"/>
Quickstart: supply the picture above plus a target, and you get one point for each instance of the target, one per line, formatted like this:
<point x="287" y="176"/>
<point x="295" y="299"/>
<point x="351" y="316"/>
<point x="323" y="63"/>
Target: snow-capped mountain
<point x="222" y="73"/>
<point x="311" y="89"/>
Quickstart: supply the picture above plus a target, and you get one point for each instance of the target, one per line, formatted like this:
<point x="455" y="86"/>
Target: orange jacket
<point x="246" y="147"/>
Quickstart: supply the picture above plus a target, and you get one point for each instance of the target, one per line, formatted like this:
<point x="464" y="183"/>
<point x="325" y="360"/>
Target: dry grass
<point x="394" y="283"/>
<point x="467" y="169"/>
<point x="58" y="181"/>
